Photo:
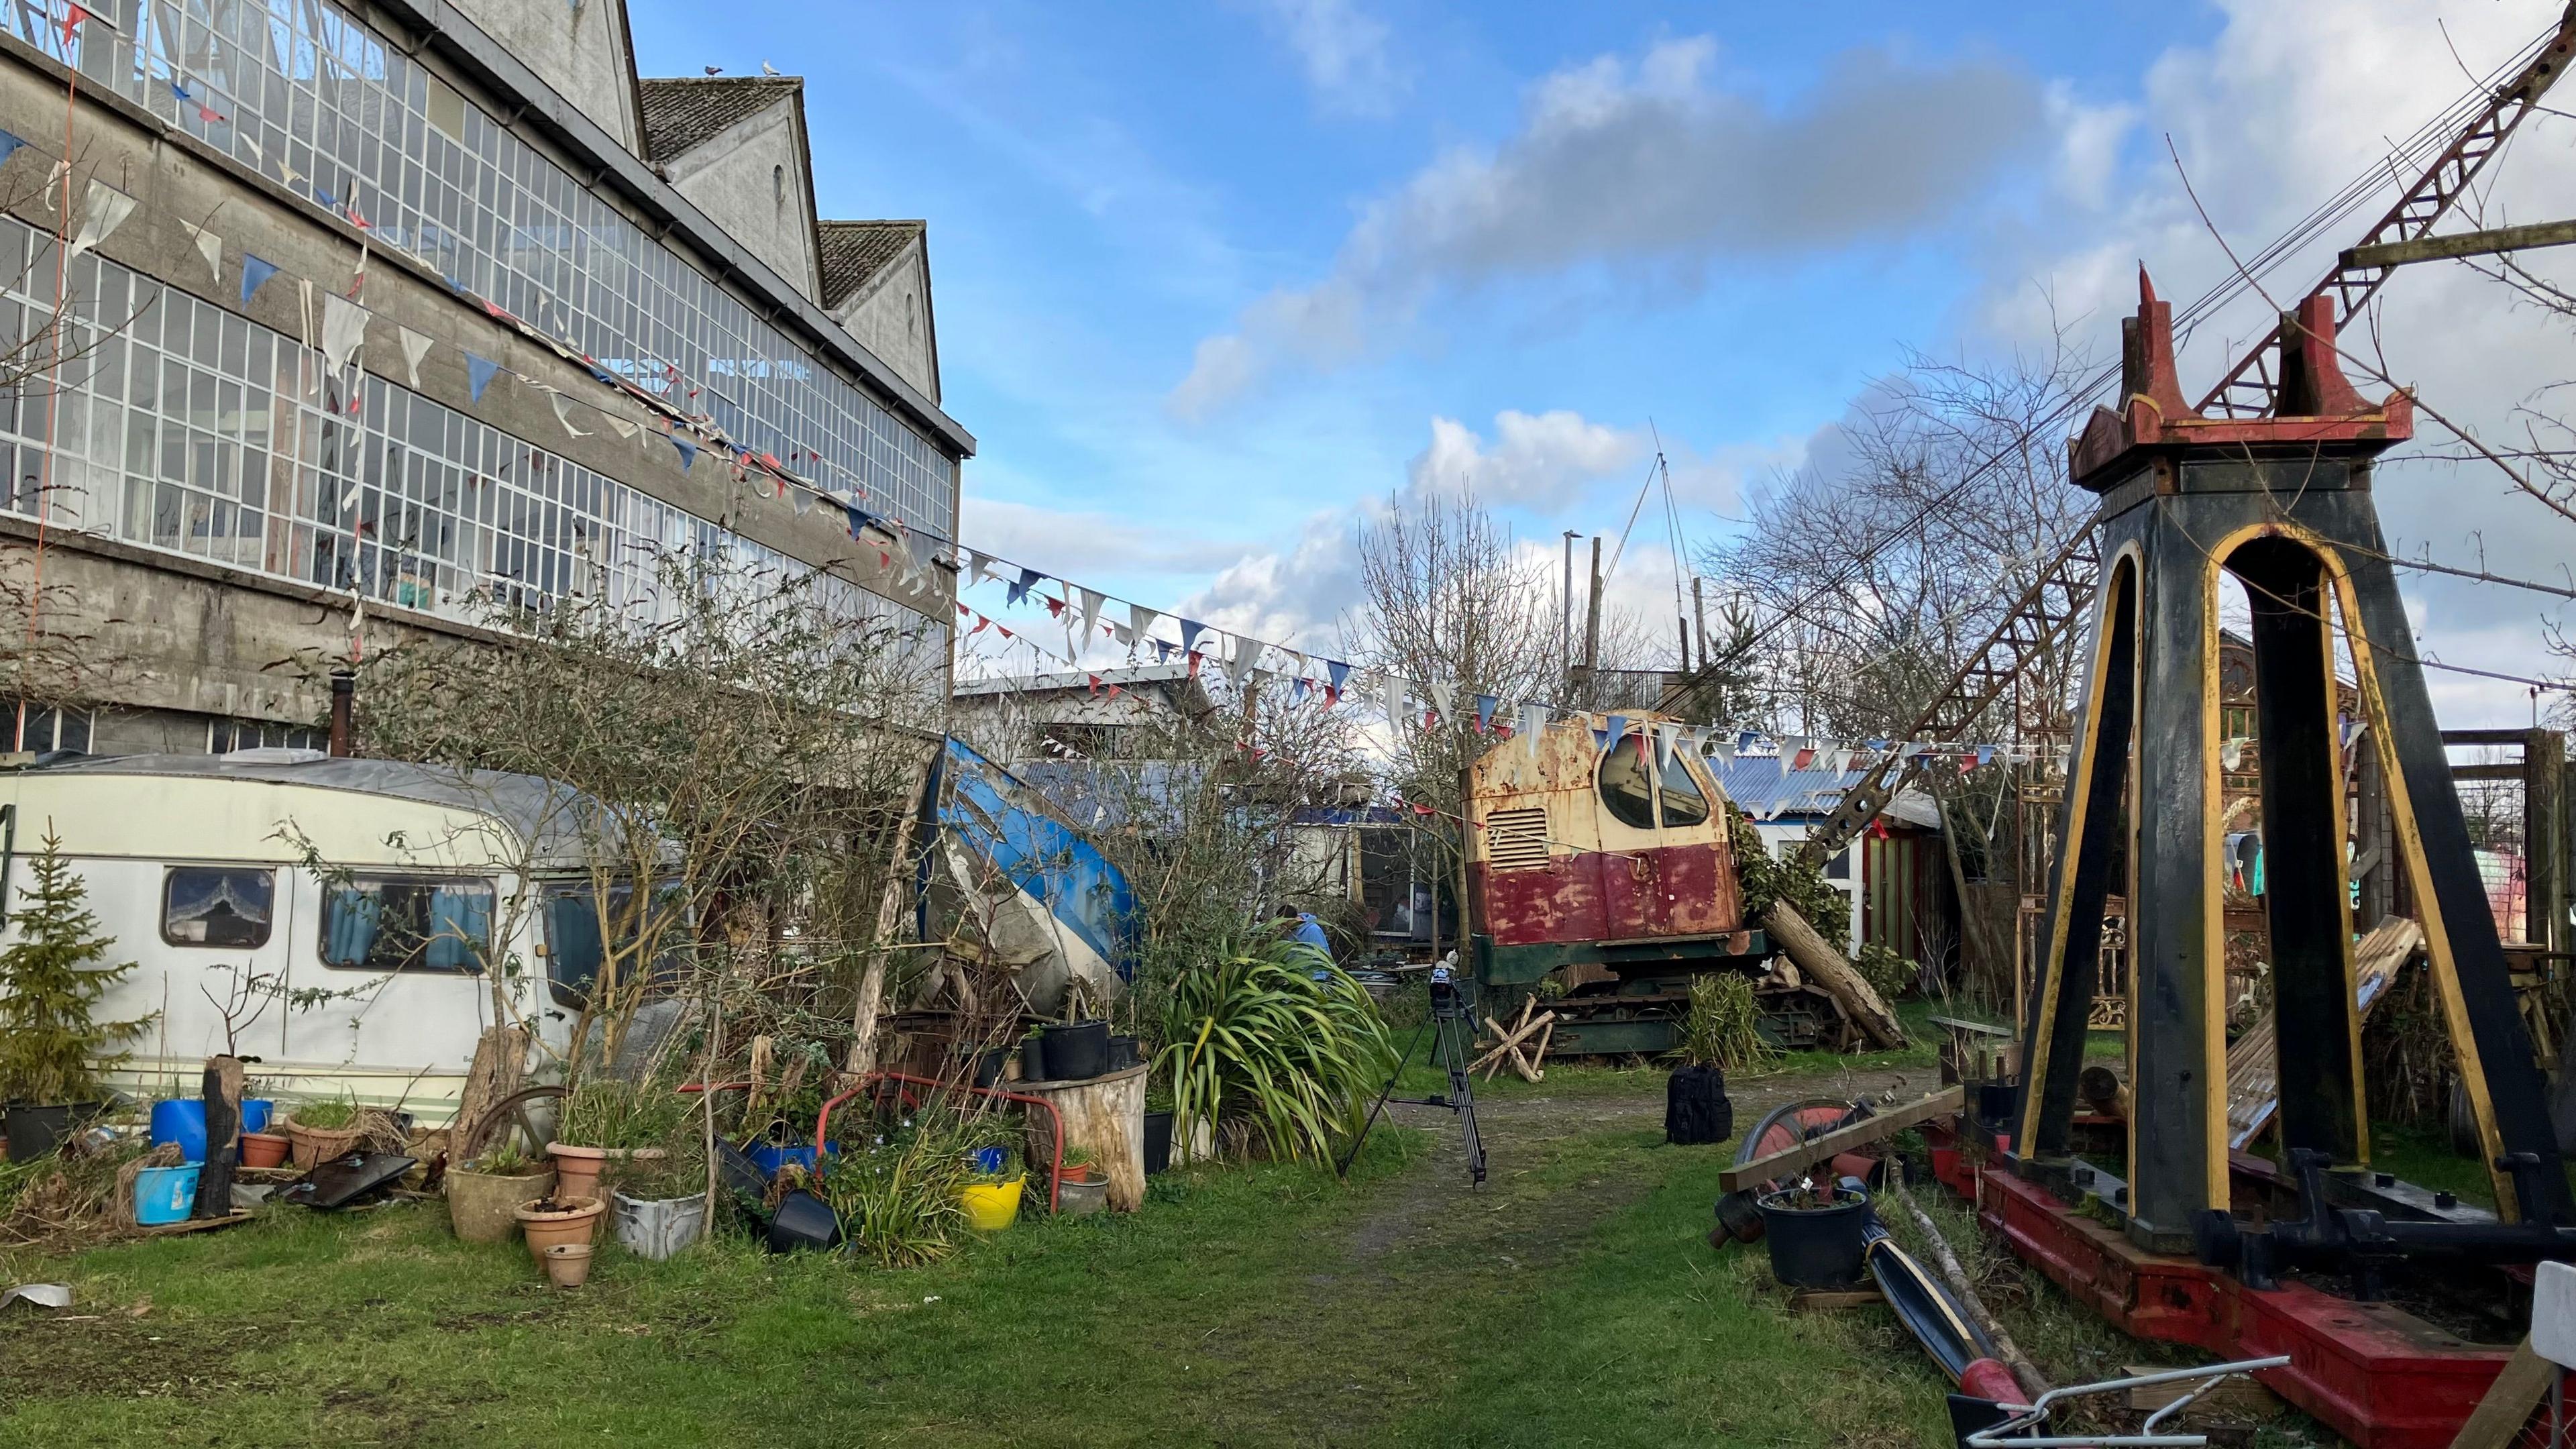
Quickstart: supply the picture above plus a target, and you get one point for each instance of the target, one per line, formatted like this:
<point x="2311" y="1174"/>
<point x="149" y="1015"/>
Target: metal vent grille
<point x="1516" y="839"/>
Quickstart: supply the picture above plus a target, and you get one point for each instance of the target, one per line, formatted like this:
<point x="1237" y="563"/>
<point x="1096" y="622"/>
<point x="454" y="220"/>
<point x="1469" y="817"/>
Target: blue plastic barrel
<point x="181" y="1120"/>
<point x="164" y="1194"/>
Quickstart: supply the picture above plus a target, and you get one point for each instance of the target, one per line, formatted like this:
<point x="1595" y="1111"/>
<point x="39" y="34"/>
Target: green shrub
<point x="1272" y="1046"/>
<point x="897" y="1194"/>
<point x="1761" y="880"/>
<point x="325" y="1114"/>
<point x="1722" y="1028"/>
<point x="51" y="1050"/>
<point x="1887" y="973"/>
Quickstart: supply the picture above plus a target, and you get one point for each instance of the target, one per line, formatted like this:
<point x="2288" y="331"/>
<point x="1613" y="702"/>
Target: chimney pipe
<point x="344" y="700"/>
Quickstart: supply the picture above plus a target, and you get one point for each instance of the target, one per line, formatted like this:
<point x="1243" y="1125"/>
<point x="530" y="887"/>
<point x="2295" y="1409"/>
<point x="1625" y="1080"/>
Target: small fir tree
<point x="51" y="979"/>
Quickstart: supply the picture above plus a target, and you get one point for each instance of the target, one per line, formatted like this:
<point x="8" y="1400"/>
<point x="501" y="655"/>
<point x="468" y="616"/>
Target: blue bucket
<point x="164" y="1194"/>
<point x="770" y="1157"/>
<point x="181" y="1120"/>
<point x="255" y="1113"/>
<point x="988" y="1160"/>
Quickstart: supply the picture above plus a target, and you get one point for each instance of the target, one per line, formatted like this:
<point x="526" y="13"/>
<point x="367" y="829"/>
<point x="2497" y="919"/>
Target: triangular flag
<point x="1443" y="695"/>
<point x="479" y="372"/>
<point x="620" y="426"/>
<point x="1125" y="636"/>
<point x="1246" y="650"/>
<point x="1297" y="692"/>
<point x="9" y="144"/>
<point x="563" y="412"/>
<point x="1091" y="602"/>
<point x="1665" y="734"/>
<point x="1141" y="619"/>
<point x="687" y="450"/>
<point x="105" y="210"/>
<point x="1617" y="729"/>
<point x="1191" y="629"/>
<point x="209" y="246"/>
<point x="1196" y="659"/>
<point x="804" y="501"/>
<point x="1806" y="756"/>
<point x="978" y="565"/>
<point x="1722" y="748"/>
<point x="1336" y="675"/>
<point x="1020" y="590"/>
<point x="414" y="347"/>
<point x="1533" y="725"/>
<point x="344" y="330"/>
<point x="1985" y="754"/>
<point x="255" y="274"/>
<point x="1486" y="704"/>
<point x="923" y="547"/>
<point x="1393" y="685"/>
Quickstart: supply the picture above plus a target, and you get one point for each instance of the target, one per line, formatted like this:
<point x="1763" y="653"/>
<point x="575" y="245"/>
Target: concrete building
<point x="1115" y="714"/>
<point x="495" y="185"/>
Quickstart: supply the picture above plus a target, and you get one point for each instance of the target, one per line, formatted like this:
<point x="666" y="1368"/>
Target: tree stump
<point x="1106" y="1116"/>
<point x="222" y="1092"/>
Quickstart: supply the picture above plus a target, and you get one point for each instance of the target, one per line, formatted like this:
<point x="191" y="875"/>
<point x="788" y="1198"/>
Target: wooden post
<point x="1105" y="1115"/>
<point x="1592" y="619"/>
<point x="863" y="1019"/>
<point x="222" y="1092"/>
<point x="1826" y="966"/>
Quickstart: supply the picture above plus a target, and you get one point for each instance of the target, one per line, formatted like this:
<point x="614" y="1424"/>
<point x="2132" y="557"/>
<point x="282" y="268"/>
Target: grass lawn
<point x="1570" y="1301"/>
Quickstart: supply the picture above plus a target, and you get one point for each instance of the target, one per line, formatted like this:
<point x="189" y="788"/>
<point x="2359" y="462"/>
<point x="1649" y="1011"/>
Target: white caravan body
<point x="197" y="865"/>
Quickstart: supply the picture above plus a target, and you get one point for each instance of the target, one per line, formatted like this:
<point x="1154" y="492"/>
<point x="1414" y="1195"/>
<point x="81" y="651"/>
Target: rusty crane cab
<point x="1596" y="864"/>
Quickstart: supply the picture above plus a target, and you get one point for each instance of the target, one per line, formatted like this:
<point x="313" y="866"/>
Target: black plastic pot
<point x="803" y="1221"/>
<point x="1076" y="1051"/>
<point x="1123" y="1053"/>
<point x="988" y="1066"/>
<point x="1819" y="1247"/>
<point x="1158" y="1142"/>
<point x="35" y="1129"/>
<point x="1696" y="1108"/>
<point x="1033" y="1060"/>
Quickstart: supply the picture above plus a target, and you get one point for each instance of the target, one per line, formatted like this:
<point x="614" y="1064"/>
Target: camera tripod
<point x="1452" y="1025"/>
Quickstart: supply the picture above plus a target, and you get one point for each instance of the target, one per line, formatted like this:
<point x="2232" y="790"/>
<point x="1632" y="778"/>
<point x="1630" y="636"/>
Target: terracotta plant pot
<point x="577" y="1169"/>
<point x="481" y="1206"/>
<point x="1075" y="1172"/>
<point x="263" y="1149"/>
<point x="313" y="1146"/>
<point x="553" y="1220"/>
<point x="568" y="1264"/>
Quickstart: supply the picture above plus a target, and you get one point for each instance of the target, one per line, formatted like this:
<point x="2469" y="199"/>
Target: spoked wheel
<point x="1786" y="1126"/>
<point x="510" y="1114"/>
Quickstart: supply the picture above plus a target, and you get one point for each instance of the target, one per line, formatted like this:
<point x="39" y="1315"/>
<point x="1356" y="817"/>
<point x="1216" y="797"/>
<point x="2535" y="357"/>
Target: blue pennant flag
<point x="255" y="274"/>
<point x="688" y="451"/>
<point x="1618" y="728"/>
<point x="1028" y="580"/>
<point x="1297" y="695"/>
<point x="1191" y="629"/>
<point x="181" y="92"/>
<point x="479" y="372"/>
<point x="1162" y="651"/>
<point x="324" y="197"/>
<point x="1486" y="704"/>
<point x="9" y="145"/>
<point x="859" y="518"/>
<point x="1985" y="754"/>
<point x="1338" y="672"/>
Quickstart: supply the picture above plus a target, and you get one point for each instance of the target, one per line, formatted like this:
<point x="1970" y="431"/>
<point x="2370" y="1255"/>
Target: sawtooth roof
<point x="682" y="113"/>
<point x="853" y="252"/>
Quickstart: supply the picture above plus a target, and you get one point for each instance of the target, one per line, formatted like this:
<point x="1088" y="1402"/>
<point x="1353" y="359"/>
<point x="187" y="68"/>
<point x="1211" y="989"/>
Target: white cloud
<point x="1298" y="597"/>
<point x="1344" y="50"/>
<point x="1540" y="461"/>
<point x="1087" y="545"/>
<point x="1651" y="168"/>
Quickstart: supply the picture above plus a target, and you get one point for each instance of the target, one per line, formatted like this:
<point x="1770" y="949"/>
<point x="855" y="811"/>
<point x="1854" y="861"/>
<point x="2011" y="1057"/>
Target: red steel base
<point x="2374" y="1373"/>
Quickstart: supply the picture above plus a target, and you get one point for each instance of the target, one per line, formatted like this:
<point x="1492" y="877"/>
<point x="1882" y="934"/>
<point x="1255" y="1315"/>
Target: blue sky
<point x="1210" y="278"/>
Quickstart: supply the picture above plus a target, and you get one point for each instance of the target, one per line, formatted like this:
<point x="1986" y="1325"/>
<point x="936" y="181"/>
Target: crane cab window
<point x="1626" y="788"/>
<point x="1680" y="799"/>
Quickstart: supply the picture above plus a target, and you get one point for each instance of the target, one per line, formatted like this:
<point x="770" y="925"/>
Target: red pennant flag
<point x="1095" y="683"/>
<point x="1196" y="658"/>
<point x="1115" y="691"/>
<point x="980" y="622"/>
<point x="1055" y="607"/>
<point x="1332" y="696"/>
<point x="72" y="17"/>
<point x="1003" y="630"/>
<point x="961" y="608"/>
<point x="1804" y="758"/>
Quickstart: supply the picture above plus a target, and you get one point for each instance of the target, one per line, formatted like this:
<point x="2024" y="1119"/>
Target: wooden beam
<point x="1841" y="1139"/>
<point x="2463" y="244"/>
<point x="2499" y="1417"/>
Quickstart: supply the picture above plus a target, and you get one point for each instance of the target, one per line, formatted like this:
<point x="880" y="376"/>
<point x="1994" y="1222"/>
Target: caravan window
<point x="406" y="923"/>
<point x="210" y="906"/>
<point x="574" y="939"/>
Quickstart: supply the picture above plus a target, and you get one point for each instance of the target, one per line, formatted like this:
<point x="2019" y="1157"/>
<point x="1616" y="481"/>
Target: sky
<point x="1214" y="281"/>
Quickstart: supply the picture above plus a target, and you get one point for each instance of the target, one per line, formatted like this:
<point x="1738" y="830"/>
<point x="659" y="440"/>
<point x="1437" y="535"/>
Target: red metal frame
<point x="2374" y="1373"/>
<point x="1055" y="1170"/>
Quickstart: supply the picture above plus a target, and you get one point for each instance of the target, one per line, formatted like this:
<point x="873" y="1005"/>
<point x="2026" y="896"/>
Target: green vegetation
<point x="897" y="1196"/>
<point x="1722" y="1028"/>
<point x="51" y="979"/>
<point x="1272" y="1045"/>
<point x="325" y="1114"/>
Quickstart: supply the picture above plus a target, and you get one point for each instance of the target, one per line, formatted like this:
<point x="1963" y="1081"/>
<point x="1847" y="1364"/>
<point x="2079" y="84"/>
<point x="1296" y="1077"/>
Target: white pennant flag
<point x="804" y="501"/>
<point x="1722" y="747"/>
<point x="414" y="348"/>
<point x="1533" y="725"/>
<point x="979" y="567"/>
<point x="1443" y="694"/>
<point x="1246" y="650"/>
<point x="625" y="429"/>
<point x="563" y="412"/>
<point x="209" y="246"/>
<point x="344" y="330"/>
<point x="1665" y="734"/>
<point x="1393" y="685"/>
<point x="104" y="211"/>
<point x="1125" y="636"/>
<point x="1141" y="619"/>
<point x="1091" y="601"/>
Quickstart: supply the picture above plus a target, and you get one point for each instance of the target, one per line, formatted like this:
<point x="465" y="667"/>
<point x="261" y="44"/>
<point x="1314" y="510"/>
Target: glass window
<point x="575" y="937"/>
<point x="1625" y="787"/>
<point x="217" y="906"/>
<point x="1681" y="800"/>
<point x="406" y="923"/>
<point x="1838" y="865"/>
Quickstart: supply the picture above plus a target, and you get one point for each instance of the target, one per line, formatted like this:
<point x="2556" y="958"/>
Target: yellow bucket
<point x="991" y="1206"/>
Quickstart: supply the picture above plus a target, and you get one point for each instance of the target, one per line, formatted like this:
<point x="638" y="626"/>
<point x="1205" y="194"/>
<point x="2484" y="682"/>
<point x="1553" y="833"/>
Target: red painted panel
<point x="1681" y="890"/>
<point x="1700" y="895"/>
<point x="1541" y="907"/>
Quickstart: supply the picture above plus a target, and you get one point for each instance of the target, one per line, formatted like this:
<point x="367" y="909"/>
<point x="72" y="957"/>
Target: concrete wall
<point x="751" y="179"/>
<point x="580" y="50"/>
<point x="891" y="318"/>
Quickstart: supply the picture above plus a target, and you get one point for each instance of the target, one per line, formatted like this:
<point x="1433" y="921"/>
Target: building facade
<point x="603" y="323"/>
